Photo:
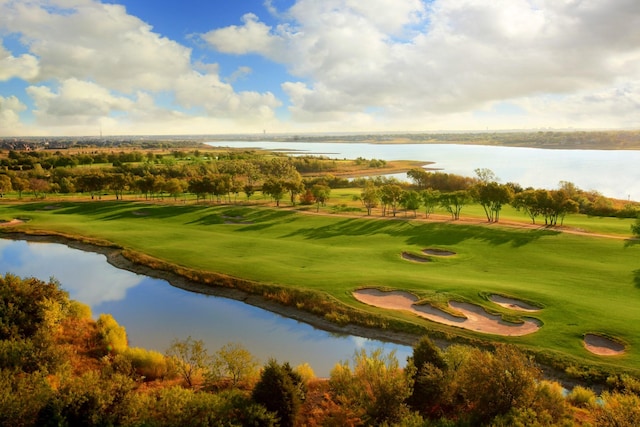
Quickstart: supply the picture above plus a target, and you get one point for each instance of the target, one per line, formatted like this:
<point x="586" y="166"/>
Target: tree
<point x="274" y="188"/>
<point x="190" y="359"/>
<point x="530" y="201"/>
<point x="280" y="390"/>
<point x="430" y="199"/>
<point x="635" y="228"/>
<point x="453" y="202"/>
<point x="420" y="177"/>
<point x="429" y="377"/>
<point x="19" y="184"/>
<point x="390" y="195"/>
<point x="175" y="187"/>
<point x="5" y="185"/>
<point x="492" y="196"/>
<point x="233" y="361"/>
<point x="321" y="194"/>
<point x="493" y="383"/>
<point x="370" y="196"/>
<point x="113" y="337"/>
<point x="376" y="386"/>
<point x="39" y="186"/>
<point x="410" y="201"/>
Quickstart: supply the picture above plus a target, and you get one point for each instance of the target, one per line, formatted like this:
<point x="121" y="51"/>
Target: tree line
<point x="59" y="367"/>
<point x="229" y="175"/>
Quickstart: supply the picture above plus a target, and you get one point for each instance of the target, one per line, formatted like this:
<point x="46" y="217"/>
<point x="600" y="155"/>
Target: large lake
<point x="614" y="173"/>
<point x="154" y="312"/>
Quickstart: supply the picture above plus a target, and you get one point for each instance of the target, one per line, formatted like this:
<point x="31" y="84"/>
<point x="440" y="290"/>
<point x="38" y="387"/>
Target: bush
<point x="582" y="397"/>
<point x="79" y="311"/>
<point x="113" y="337"/>
<point x="147" y="363"/>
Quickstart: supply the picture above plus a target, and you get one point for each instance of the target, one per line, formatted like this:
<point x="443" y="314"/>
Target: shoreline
<point x="115" y="257"/>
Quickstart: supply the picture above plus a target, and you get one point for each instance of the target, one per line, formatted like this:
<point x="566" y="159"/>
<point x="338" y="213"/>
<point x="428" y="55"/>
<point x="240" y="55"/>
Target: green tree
<point x="5" y="185"/>
<point x="635" y="228"/>
<point x="430" y="200"/>
<point x="410" y="201"/>
<point x="430" y="379"/>
<point x="321" y="194"/>
<point x="190" y="359"/>
<point x="370" y="196"/>
<point x="492" y="196"/>
<point x="281" y="391"/>
<point x="390" y="195"/>
<point x="454" y="202"/>
<point x="275" y="189"/>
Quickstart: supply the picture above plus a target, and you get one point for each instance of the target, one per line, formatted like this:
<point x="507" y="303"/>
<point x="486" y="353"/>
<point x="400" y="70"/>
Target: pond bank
<point x="116" y="257"/>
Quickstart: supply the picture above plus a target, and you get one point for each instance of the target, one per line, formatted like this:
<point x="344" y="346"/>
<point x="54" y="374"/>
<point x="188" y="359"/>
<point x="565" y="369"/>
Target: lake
<point x="614" y="173"/>
<point x="154" y="313"/>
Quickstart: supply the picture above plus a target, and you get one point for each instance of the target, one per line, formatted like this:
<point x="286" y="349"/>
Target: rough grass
<point x="585" y="284"/>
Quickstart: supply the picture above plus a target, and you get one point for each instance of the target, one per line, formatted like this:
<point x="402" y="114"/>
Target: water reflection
<point x="154" y="312"/>
<point x="44" y="261"/>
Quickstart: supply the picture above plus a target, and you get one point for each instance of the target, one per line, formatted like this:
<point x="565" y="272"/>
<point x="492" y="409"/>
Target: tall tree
<point x="279" y="390"/>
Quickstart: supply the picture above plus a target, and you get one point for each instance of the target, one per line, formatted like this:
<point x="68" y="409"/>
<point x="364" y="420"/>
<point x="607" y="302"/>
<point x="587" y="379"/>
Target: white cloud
<point x="76" y="103"/>
<point x="98" y="42"/>
<point x="10" y="109"/>
<point x="253" y="36"/>
<point x="405" y="59"/>
<point x="24" y="66"/>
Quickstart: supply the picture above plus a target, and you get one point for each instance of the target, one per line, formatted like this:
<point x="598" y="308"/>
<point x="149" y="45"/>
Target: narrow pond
<point x="154" y="313"/>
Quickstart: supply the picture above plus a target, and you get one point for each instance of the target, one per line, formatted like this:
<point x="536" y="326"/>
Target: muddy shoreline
<point x="116" y="258"/>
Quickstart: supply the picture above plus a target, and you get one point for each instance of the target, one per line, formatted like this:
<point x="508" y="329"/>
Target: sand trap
<point x="415" y="258"/>
<point x="140" y="213"/>
<point x="438" y="252"/>
<point x="597" y="344"/>
<point x="475" y="317"/>
<point x="14" y="221"/>
<point x="512" y="303"/>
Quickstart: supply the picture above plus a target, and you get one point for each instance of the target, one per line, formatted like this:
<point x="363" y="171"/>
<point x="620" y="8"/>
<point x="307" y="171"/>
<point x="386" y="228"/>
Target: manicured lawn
<point x="585" y="284"/>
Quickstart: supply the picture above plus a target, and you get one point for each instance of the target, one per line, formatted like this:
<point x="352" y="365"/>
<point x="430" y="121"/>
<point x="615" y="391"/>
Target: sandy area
<point x="475" y="317"/>
<point x="513" y="304"/>
<point x="10" y="223"/>
<point x="438" y="252"/>
<point x="602" y="346"/>
<point x="415" y="258"/>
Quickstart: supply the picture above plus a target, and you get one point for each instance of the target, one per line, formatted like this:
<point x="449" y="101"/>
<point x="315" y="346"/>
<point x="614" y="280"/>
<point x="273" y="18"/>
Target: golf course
<point x="578" y="281"/>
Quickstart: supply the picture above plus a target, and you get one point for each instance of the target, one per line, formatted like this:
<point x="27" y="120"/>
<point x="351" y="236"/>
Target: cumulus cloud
<point x="10" y="109"/>
<point x="445" y="58"/>
<point x="24" y="66"/>
<point x="89" y="61"/>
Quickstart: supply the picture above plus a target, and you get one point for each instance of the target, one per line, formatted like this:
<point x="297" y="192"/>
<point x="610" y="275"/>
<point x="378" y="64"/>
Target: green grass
<point x="585" y="284"/>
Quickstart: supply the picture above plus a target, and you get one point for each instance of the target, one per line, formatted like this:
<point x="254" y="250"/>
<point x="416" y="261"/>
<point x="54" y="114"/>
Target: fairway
<point x="584" y="284"/>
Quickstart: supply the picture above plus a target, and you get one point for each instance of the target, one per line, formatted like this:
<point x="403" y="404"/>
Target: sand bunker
<point x="512" y="303"/>
<point x="415" y="258"/>
<point x="14" y="221"/>
<point x="475" y="317"/>
<point x="438" y="252"/>
<point x="597" y="344"/>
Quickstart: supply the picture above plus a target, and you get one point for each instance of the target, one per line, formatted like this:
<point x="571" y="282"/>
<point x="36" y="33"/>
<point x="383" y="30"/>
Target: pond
<point x="614" y="173"/>
<point x="154" y="313"/>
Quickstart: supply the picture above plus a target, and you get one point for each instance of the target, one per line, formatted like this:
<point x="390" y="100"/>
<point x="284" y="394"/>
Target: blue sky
<point x="75" y="67"/>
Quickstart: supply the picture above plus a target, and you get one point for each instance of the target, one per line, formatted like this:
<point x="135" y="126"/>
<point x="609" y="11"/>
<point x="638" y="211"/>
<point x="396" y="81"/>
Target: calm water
<point x="154" y="312"/>
<point x="614" y="173"/>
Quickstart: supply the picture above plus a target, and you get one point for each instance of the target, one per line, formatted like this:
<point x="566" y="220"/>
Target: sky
<point x="130" y="67"/>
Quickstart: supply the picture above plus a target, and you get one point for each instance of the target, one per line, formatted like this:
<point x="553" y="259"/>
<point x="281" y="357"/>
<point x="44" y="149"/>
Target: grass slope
<point x="585" y="284"/>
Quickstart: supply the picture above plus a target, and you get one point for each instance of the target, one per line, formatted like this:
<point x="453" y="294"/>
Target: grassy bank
<point x="585" y="284"/>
